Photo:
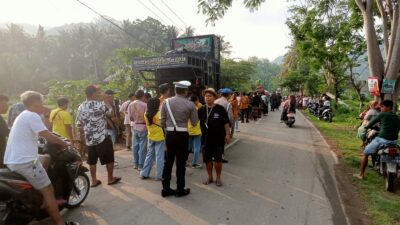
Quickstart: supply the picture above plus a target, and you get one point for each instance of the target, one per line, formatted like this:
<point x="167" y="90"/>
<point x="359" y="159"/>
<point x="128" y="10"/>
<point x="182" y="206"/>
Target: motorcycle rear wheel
<point x="3" y="213"/>
<point x="83" y="184"/>
<point x="389" y="181"/>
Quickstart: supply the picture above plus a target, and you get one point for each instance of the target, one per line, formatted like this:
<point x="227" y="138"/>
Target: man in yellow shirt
<point x="61" y="120"/>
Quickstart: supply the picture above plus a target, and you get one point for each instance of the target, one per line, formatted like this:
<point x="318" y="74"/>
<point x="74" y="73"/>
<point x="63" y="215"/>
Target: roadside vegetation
<point x="382" y="207"/>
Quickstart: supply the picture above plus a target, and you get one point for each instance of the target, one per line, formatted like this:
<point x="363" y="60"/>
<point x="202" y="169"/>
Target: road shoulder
<point x="354" y="207"/>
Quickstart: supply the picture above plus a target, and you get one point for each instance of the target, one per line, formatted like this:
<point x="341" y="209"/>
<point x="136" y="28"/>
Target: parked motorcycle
<point x="290" y="119"/>
<point x="21" y="204"/>
<point x="325" y="113"/>
<point x="386" y="160"/>
<point x="313" y="108"/>
<point x="388" y="157"/>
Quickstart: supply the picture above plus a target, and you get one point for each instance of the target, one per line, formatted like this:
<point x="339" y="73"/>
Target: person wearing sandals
<point x="91" y="120"/>
<point x="214" y="122"/>
<point x="155" y="144"/>
<point x="195" y="135"/>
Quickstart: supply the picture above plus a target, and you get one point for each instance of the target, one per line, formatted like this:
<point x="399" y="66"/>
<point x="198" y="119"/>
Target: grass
<point x="382" y="207"/>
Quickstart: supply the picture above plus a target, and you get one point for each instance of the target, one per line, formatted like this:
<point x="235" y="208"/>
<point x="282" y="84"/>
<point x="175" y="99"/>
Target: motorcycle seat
<point x="8" y="174"/>
<point x="384" y="146"/>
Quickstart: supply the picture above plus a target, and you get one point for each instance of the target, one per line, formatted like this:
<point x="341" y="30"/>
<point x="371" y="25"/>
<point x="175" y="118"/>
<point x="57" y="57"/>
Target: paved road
<point x="275" y="176"/>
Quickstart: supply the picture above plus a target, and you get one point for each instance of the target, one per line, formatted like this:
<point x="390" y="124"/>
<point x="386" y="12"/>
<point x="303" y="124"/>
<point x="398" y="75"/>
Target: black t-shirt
<point x="256" y="101"/>
<point x="213" y="134"/>
<point x="4" y="131"/>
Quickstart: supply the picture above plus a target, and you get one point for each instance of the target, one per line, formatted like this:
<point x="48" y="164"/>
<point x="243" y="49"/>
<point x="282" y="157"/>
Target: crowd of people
<point x="158" y="130"/>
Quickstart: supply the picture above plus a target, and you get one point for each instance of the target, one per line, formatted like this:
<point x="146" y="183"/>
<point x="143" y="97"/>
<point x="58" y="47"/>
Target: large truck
<point x="196" y="59"/>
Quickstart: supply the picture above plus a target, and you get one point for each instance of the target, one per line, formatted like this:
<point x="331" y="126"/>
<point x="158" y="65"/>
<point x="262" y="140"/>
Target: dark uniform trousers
<point x="177" y="146"/>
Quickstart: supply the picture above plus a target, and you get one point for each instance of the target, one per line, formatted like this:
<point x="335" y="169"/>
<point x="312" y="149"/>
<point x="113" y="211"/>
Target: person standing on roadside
<point x="244" y="107"/>
<point x="175" y="114"/>
<point x="4" y="131"/>
<point x="255" y="105"/>
<point x="139" y="130"/>
<point x="214" y="123"/>
<point x="91" y="120"/>
<point x="223" y="101"/>
<point x="264" y="99"/>
<point x="155" y="144"/>
<point x="235" y="113"/>
<point x="164" y="91"/>
<point x="127" y="122"/>
<point x="195" y="135"/>
<point x="61" y="120"/>
<point x="113" y="116"/>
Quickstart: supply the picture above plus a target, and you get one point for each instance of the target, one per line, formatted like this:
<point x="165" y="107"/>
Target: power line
<point x="166" y="5"/>
<point x="173" y="22"/>
<point x="113" y="23"/>
<point x="155" y="14"/>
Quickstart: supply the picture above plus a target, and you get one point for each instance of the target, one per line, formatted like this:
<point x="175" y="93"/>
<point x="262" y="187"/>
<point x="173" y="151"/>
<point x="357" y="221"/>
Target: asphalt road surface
<point x="275" y="176"/>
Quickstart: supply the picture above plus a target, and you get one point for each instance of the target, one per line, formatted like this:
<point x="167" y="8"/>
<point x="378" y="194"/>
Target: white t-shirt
<point x="22" y="144"/>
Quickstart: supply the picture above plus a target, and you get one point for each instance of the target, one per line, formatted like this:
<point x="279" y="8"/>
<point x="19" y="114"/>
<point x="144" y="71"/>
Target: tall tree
<point x="390" y="26"/>
<point x="189" y="31"/>
<point x="325" y="34"/>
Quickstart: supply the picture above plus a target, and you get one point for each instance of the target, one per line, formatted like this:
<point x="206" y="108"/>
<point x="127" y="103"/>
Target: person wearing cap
<point x="91" y="120"/>
<point x="214" y="124"/>
<point x="127" y="122"/>
<point x="113" y="117"/>
<point x="163" y="90"/>
<point x="139" y="131"/>
<point x="175" y="114"/>
<point x="225" y="94"/>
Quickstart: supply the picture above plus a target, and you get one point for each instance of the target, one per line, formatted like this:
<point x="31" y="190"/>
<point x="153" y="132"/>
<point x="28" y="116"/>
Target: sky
<point x="261" y="33"/>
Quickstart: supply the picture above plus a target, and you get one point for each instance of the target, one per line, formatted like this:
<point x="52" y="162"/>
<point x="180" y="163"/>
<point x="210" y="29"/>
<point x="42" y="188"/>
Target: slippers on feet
<point x="358" y="176"/>
<point x="218" y="183"/>
<point x="95" y="184"/>
<point x="207" y="182"/>
<point x="116" y="180"/>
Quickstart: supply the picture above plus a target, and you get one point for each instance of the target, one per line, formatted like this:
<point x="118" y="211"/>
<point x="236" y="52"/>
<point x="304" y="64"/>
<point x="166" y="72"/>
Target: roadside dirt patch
<point x="354" y="207"/>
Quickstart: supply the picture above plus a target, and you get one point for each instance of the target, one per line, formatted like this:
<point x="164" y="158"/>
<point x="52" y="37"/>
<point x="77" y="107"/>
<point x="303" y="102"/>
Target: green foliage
<point x="78" y="52"/>
<point x="327" y="36"/>
<point x="216" y="9"/>
<point x="73" y="90"/>
<point x="236" y="75"/>
<point x="124" y="78"/>
<point x="265" y="73"/>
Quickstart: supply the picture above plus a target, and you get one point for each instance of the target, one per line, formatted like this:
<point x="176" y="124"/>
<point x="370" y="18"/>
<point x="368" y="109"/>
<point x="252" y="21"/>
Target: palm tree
<point x="189" y="32"/>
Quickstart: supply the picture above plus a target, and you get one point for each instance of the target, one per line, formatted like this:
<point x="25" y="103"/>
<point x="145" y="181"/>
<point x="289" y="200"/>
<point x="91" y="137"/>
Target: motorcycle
<point x="313" y="108"/>
<point x="388" y="157"/>
<point x="325" y="113"/>
<point x="290" y="119"/>
<point x="20" y="203"/>
<point x="386" y="160"/>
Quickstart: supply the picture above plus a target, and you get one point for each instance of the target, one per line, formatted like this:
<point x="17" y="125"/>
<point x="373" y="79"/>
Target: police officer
<point x="175" y="114"/>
